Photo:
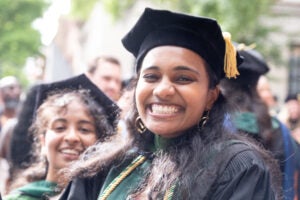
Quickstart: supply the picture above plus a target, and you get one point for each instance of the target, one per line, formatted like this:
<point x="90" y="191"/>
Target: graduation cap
<point x="252" y="67"/>
<point x="199" y="34"/>
<point x="80" y="82"/>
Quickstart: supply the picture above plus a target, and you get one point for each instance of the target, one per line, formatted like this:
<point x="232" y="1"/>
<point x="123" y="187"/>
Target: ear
<point x="213" y="94"/>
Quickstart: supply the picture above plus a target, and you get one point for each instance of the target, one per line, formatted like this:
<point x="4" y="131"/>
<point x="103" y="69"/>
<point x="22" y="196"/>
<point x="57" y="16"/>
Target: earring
<point x="203" y="119"/>
<point x="140" y="125"/>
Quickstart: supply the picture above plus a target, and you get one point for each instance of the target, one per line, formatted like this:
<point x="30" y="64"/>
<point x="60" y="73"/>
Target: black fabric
<point x="20" y="144"/>
<point x="84" y="189"/>
<point x="252" y="68"/>
<point x="81" y="82"/>
<point x="240" y="174"/>
<point x="161" y="27"/>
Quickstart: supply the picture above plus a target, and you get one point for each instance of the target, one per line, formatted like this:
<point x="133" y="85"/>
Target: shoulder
<point x="245" y="169"/>
<point x="245" y="159"/>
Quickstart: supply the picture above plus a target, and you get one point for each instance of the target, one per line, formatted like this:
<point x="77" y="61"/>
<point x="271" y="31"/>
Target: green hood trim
<point x="247" y="121"/>
<point x="39" y="189"/>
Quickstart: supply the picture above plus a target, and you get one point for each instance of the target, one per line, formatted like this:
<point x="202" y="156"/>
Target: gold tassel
<point x="230" y="63"/>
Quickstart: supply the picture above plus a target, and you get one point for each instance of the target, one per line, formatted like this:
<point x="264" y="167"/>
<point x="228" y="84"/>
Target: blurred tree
<point x="241" y="18"/>
<point x="18" y="38"/>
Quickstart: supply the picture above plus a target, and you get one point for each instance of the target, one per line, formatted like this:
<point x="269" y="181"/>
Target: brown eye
<point x="59" y="129"/>
<point x="150" y="78"/>
<point x="184" y="79"/>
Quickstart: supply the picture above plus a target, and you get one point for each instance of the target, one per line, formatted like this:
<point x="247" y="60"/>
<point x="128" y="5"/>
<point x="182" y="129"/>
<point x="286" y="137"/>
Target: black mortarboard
<point x="81" y="82"/>
<point x="252" y="67"/>
<point x="199" y="34"/>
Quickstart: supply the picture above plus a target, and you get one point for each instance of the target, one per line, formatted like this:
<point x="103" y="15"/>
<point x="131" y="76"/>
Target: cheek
<point x="51" y="141"/>
<point x="196" y="108"/>
<point x="141" y="93"/>
<point x="88" y="140"/>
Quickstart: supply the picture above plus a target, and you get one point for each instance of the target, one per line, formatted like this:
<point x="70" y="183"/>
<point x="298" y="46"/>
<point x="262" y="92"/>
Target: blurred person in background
<point x="265" y="92"/>
<point x="106" y="73"/>
<point x="10" y="92"/>
<point x="290" y="114"/>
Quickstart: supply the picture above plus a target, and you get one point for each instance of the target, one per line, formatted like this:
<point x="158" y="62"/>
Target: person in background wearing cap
<point x="106" y="73"/>
<point x="66" y="124"/>
<point x="252" y="116"/>
<point x="179" y="148"/>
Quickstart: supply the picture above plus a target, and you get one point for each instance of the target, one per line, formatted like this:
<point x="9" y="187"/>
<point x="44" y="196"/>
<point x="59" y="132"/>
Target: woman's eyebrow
<point x="185" y="68"/>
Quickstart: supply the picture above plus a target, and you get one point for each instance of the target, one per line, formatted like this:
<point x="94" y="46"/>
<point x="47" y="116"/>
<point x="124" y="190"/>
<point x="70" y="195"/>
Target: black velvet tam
<point x="252" y="67"/>
<point x="80" y="82"/>
<point x="161" y="27"/>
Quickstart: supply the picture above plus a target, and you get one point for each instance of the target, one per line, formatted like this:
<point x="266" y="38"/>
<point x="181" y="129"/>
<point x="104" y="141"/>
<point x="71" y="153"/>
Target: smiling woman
<point x="66" y="124"/>
<point x="180" y="148"/>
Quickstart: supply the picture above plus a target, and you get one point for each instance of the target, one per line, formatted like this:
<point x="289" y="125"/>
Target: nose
<point x="114" y="85"/>
<point x="164" y="89"/>
<point x="72" y="136"/>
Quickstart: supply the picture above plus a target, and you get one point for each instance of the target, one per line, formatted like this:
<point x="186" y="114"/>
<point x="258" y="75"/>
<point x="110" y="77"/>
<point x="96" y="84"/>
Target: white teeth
<point x="70" y="151"/>
<point x="163" y="109"/>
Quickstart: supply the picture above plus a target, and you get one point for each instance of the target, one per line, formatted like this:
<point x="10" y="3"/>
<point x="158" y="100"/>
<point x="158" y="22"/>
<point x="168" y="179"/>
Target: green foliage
<point x="81" y="9"/>
<point x="117" y="7"/>
<point x="241" y="18"/>
<point x="18" y="39"/>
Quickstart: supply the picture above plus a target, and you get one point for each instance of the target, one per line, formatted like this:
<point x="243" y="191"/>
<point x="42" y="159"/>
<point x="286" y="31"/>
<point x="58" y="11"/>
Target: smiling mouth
<point x="164" y="109"/>
<point x="71" y="152"/>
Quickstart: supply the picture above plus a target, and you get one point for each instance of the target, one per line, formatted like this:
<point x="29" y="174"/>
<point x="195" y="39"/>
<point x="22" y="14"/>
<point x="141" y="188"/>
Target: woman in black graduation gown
<point x="252" y="116"/>
<point x="179" y="147"/>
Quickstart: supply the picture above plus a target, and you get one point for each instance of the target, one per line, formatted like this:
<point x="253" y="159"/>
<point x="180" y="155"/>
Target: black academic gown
<point x="241" y="175"/>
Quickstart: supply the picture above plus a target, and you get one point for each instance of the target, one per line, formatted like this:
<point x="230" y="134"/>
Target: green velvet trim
<point x="161" y="143"/>
<point x="246" y="121"/>
<point x="34" y="190"/>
